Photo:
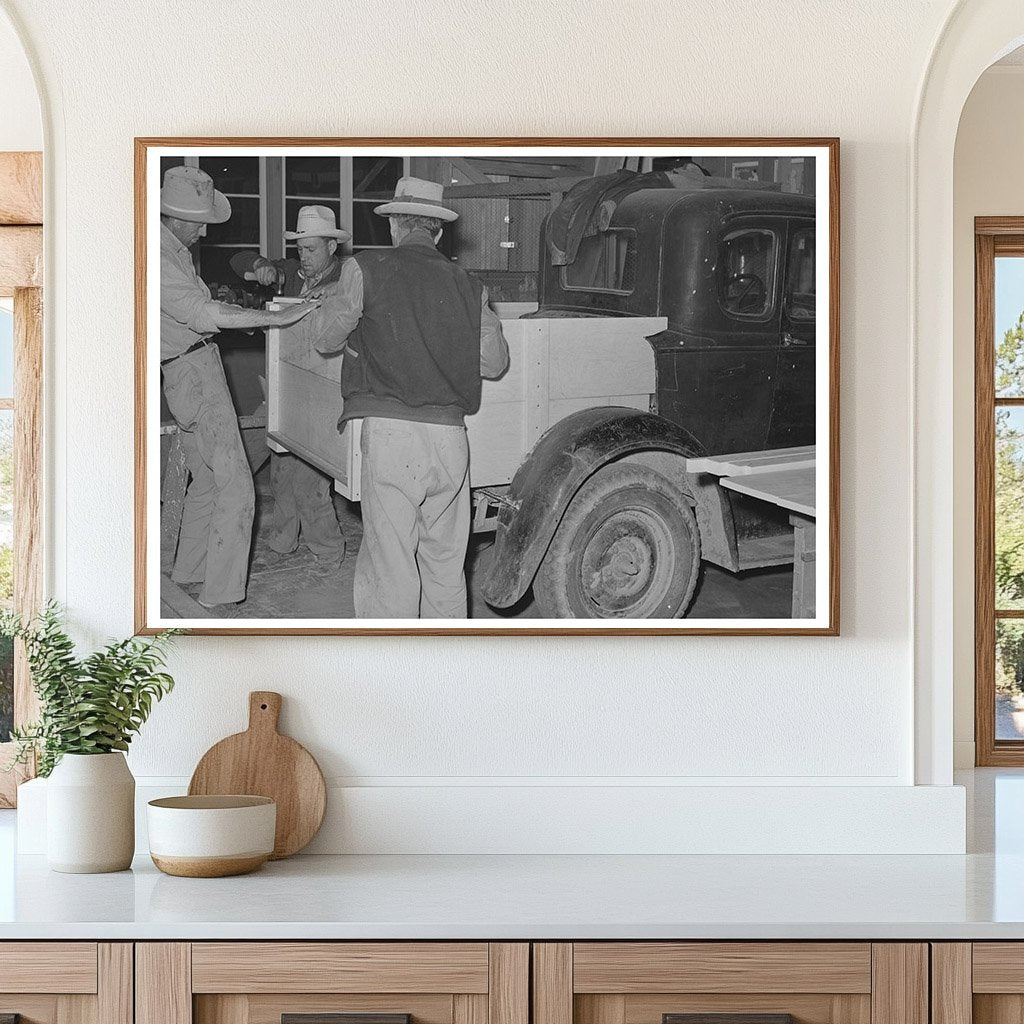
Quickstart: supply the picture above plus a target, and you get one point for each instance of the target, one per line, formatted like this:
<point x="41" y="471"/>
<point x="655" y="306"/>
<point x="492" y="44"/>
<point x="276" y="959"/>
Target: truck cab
<point x="732" y="270"/>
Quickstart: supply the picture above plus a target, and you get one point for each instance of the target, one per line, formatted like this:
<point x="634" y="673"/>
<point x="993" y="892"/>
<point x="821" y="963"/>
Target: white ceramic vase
<point x="90" y="814"/>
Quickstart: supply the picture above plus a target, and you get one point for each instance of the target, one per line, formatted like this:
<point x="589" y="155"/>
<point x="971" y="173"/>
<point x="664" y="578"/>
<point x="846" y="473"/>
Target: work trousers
<point x="303" y="505"/>
<point x="216" y="523"/>
<point x="416" y="512"/>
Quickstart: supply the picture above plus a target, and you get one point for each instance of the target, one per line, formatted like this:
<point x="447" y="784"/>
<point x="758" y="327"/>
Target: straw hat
<point x="317" y="222"/>
<point x="416" y="196"/>
<point x="188" y="194"/>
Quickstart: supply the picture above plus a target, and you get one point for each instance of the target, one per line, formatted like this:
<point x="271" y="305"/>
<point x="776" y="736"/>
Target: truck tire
<point x="627" y="547"/>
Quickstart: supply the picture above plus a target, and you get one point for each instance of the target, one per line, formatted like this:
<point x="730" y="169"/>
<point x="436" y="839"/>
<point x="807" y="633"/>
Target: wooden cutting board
<point x="262" y="762"/>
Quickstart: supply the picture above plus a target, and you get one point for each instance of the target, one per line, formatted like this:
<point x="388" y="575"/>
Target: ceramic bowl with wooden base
<point x="211" y="836"/>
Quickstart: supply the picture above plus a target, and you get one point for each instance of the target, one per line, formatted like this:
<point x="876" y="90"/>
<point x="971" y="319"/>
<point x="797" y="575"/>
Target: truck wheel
<point x="627" y="547"/>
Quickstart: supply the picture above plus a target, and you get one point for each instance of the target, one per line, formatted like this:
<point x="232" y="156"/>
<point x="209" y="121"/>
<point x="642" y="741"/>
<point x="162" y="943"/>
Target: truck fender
<point x="567" y="454"/>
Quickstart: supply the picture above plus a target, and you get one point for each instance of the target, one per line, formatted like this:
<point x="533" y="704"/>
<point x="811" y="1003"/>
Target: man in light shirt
<point x="216" y="523"/>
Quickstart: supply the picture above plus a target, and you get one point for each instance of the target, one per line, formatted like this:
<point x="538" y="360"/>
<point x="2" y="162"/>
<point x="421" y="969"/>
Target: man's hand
<point x="292" y="313"/>
<point x="265" y="272"/>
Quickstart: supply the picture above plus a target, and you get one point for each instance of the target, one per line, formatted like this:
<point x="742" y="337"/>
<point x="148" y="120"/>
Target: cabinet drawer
<point x="66" y="967"/>
<point x="332" y="983"/>
<point x="66" y="982"/>
<point x="730" y="983"/>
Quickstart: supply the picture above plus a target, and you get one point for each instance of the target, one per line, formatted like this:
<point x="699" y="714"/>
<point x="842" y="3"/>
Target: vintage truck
<point x="683" y="326"/>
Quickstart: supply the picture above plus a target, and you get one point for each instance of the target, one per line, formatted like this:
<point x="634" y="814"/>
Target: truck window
<point x="746" y="272"/>
<point x="605" y="262"/>
<point x="799" y="299"/>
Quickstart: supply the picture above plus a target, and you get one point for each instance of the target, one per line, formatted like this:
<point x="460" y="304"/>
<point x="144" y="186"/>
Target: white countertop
<point x="976" y="896"/>
<point x="494" y="897"/>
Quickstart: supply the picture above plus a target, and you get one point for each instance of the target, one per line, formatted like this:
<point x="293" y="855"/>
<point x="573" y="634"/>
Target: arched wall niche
<point x="976" y="34"/>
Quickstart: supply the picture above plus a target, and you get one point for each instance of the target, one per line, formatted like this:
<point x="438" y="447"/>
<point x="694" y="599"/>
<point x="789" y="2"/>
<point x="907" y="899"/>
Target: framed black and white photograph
<point x="483" y="386"/>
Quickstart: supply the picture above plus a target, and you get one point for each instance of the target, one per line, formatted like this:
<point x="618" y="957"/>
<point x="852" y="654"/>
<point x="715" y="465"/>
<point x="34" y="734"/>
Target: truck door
<point x="792" y="420"/>
<point x="738" y="368"/>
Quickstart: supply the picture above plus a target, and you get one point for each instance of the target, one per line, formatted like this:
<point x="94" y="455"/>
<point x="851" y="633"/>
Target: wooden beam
<point x="21" y="258"/>
<point x="21" y="188"/>
<point x="520" y="168"/>
<point x="541" y="188"/>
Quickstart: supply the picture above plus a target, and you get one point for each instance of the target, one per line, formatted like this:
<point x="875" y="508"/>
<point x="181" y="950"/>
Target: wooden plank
<point x="997" y="1009"/>
<point x="951" y="1000"/>
<point x="163" y="983"/>
<point x="21" y="188"/>
<point x="985" y="753"/>
<point x="115" y="982"/>
<point x="508" y="992"/>
<point x="76" y="1010"/>
<point x="339" y="967"/>
<point x="226" y="1009"/>
<point x="28" y="482"/>
<point x="604" y="1009"/>
<point x="467" y="1009"/>
<point x="629" y="967"/>
<point x="552" y="983"/>
<point x="900" y="983"/>
<point x="792" y="489"/>
<point x="21" y="258"/>
<point x="753" y="463"/>
<point x="998" y="967"/>
<point x="600" y="356"/>
<point x="536" y="380"/>
<point x="534" y="187"/>
<point x="66" y="967"/>
<point x="999" y="225"/>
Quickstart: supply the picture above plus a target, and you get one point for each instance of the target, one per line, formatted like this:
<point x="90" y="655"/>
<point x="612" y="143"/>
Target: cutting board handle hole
<point x="263" y="707"/>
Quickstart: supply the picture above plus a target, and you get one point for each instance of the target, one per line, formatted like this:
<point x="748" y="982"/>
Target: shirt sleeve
<point x="329" y="326"/>
<point x="242" y="263"/>
<point x="493" y="347"/>
<point x="182" y="299"/>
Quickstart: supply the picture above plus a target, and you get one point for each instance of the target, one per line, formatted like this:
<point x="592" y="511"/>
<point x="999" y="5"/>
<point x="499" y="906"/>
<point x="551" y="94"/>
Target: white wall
<point x="21" y="126"/>
<point x="429" y="717"/>
<point x="988" y="181"/>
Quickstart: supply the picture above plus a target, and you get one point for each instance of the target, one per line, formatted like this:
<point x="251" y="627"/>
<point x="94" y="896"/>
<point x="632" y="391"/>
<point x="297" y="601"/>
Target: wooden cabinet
<point x="66" y="982"/>
<point x="264" y="982"/>
<point x="979" y="982"/>
<point x="682" y="982"/>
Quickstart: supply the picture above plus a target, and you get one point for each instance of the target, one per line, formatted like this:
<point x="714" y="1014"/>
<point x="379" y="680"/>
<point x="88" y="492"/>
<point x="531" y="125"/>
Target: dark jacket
<point x="415" y="353"/>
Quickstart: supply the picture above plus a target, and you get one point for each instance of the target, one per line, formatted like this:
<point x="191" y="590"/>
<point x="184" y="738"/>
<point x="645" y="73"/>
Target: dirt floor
<point x="293" y="586"/>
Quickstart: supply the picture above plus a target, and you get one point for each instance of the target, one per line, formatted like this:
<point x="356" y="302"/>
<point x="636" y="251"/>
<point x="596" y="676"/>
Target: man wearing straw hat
<point x="303" y="506"/>
<point x="419" y="336"/>
<point x="216" y="523"/>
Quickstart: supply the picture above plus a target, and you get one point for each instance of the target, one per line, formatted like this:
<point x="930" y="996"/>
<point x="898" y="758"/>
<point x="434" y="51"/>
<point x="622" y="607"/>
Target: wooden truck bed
<point x="557" y="366"/>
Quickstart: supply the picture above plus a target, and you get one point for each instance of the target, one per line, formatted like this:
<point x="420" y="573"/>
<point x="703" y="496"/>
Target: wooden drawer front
<point x="998" y="967"/>
<point x="276" y="967"/>
<point x="721" y="967"/>
<point x="58" y="967"/>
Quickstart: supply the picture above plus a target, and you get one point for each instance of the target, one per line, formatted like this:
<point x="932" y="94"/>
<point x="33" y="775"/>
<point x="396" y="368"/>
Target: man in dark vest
<point x="303" y="507"/>
<point x="418" y="336"/>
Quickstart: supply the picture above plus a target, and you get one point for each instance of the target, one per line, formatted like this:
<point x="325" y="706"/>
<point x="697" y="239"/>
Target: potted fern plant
<point x="89" y="710"/>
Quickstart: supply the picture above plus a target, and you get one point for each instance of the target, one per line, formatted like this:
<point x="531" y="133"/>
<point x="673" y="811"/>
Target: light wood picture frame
<point x="656" y="458"/>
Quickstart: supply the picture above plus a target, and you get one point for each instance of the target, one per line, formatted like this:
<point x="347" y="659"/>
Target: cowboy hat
<point x="418" y="197"/>
<point x="317" y="222"/>
<point x="188" y="194"/>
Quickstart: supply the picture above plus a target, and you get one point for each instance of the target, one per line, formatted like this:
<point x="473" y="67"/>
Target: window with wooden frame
<point x="21" y="363"/>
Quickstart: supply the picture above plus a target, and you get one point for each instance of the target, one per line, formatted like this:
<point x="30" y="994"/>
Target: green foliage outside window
<point x="1009" y="509"/>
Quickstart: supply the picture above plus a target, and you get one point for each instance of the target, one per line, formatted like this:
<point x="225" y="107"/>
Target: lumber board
<point x="21" y="188"/>
<point x="21" y="258"/>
